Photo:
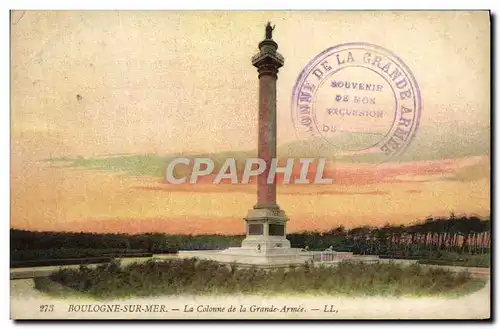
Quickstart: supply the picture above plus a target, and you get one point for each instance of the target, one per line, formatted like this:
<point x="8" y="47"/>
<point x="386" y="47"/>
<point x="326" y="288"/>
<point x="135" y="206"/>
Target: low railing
<point x="324" y="256"/>
<point x="330" y="256"/>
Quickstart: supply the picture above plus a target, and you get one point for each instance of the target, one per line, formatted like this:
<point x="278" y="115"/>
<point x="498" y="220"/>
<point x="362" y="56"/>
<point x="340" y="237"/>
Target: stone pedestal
<point x="265" y="228"/>
<point x="265" y="245"/>
<point x="273" y="258"/>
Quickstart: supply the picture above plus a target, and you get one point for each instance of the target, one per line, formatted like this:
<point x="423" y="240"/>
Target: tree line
<point x="461" y="234"/>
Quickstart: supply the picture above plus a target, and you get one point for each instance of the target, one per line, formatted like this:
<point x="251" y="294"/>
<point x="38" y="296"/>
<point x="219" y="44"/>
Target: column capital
<point x="268" y="60"/>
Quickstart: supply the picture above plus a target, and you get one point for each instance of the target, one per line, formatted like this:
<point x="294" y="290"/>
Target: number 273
<point x="46" y="308"/>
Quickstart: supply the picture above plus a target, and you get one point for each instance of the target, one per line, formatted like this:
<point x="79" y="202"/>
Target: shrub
<point x="199" y="277"/>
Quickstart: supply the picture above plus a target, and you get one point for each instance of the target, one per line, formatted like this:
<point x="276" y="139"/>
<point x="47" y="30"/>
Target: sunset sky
<point x="101" y="83"/>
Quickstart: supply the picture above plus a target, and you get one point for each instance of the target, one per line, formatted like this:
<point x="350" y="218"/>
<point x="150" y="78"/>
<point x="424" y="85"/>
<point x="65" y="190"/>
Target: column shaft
<point x="266" y="193"/>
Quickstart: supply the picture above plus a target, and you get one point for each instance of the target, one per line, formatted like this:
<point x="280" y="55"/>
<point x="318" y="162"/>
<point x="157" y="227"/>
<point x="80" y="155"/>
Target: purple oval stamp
<point x="359" y="97"/>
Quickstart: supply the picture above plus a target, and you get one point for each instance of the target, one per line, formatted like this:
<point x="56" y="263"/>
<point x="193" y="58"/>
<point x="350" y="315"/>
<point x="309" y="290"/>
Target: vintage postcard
<point x="250" y="165"/>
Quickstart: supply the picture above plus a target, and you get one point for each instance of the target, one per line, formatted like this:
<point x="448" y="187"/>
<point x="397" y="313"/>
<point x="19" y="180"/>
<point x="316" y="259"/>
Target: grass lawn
<point x="195" y="277"/>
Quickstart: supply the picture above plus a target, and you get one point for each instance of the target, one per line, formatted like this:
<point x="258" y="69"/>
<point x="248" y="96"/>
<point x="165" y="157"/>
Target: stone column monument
<point x="265" y="244"/>
<point x="266" y="223"/>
